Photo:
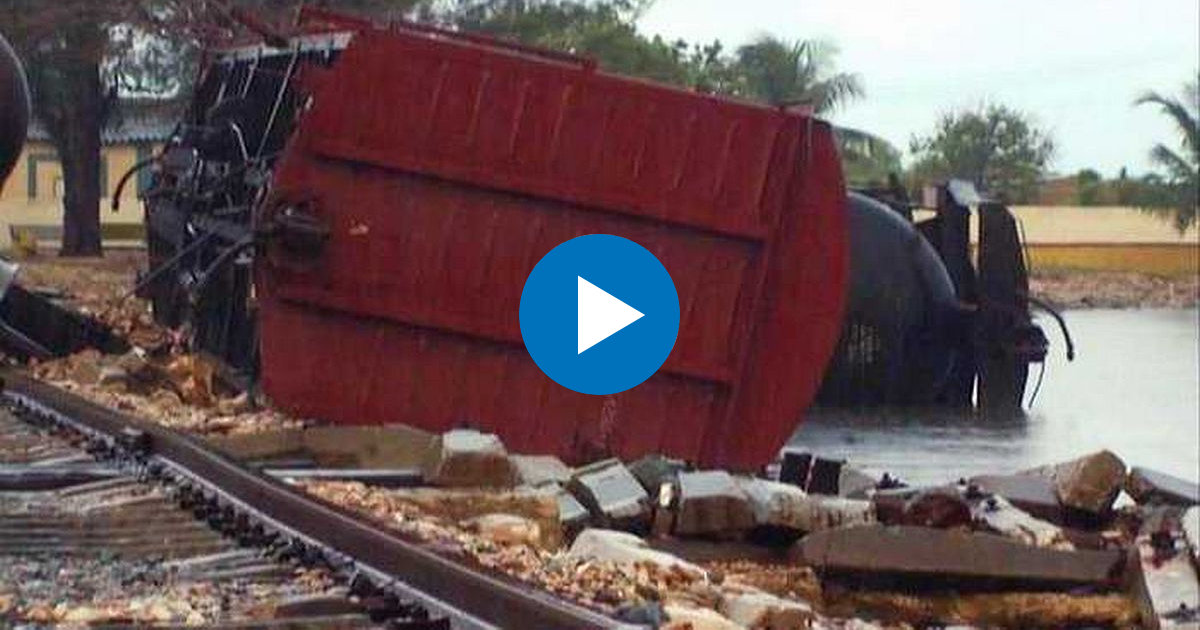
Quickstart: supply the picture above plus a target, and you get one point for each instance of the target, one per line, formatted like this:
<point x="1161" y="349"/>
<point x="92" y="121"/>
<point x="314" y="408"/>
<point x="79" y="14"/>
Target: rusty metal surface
<point x="442" y="180"/>
<point x="471" y="598"/>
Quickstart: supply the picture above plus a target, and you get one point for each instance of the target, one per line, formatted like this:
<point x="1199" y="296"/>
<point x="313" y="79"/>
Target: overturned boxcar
<point x="359" y="209"/>
<point x="347" y="214"/>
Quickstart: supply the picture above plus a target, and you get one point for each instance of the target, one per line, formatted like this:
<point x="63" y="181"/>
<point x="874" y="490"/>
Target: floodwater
<point x="1134" y="388"/>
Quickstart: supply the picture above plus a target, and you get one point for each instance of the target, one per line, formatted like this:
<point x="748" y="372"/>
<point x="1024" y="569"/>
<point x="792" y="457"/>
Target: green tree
<point x="81" y="55"/>
<point x="867" y="159"/>
<point x="998" y="148"/>
<point x="1175" y="194"/>
<point x="1089" y="184"/>
<point x="780" y="72"/>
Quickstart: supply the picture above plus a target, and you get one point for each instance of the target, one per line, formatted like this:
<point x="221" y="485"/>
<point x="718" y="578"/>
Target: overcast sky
<point x="1076" y="65"/>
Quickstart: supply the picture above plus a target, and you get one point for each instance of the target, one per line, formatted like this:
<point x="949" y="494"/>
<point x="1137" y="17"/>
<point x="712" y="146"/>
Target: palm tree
<point x="1182" y="181"/>
<point x="779" y="72"/>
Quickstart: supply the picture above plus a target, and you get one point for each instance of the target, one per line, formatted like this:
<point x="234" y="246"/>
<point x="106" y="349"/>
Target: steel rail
<point x="468" y="596"/>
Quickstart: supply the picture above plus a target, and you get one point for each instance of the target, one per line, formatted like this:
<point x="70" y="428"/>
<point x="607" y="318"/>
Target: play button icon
<point x="599" y="314"/>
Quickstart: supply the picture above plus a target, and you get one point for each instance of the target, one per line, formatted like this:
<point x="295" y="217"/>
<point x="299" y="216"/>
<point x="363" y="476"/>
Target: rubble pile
<point x="659" y="542"/>
<point x="176" y="390"/>
<point x="99" y="288"/>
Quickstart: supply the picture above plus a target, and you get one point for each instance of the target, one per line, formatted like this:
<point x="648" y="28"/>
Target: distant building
<point x="32" y="198"/>
<point x="1105" y="238"/>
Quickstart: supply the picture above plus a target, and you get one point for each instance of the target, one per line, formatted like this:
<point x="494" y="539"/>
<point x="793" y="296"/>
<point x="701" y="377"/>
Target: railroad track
<point x="99" y="499"/>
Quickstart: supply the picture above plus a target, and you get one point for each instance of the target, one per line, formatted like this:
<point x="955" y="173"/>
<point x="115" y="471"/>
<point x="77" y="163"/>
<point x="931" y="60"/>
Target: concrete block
<point x="1002" y="517"/>
<point x="1191" y="531"/>
<point x="537" y="470"/>
<point x="1035" y="495"/>
<point x="652" y="471"/>
<point x="942" y="508"/>
<point x="611" y="493"/>
<point x="1090" y="483"/>
<point x="854" y="483"/>
<point x="935" y="557"/>
<point x="1165" y="586"/>
<point x="625" y="548"/>
<point x="1151" y="486"/>
<point x="753" y="608"/>
<point x="785" y="506"/>
<point x="468" y="458"/>
<point x="712" y="504"/>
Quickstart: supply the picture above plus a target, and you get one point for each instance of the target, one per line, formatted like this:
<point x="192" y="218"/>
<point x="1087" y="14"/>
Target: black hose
<point x="116" y="200"/>
<point x="1062" y="324"/>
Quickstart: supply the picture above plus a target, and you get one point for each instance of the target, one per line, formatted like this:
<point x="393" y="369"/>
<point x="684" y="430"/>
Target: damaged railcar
<point x="935" y="318"/>
<point x="350" y="218"/>
<point x="346" y="216"/>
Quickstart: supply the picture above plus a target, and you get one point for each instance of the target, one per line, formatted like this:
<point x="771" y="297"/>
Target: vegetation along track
<point x="90" y="492"/>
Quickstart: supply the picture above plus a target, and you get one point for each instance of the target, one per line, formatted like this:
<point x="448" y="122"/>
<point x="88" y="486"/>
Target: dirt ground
<point x="96" y="284"/>
<point x="1115" y="289"/>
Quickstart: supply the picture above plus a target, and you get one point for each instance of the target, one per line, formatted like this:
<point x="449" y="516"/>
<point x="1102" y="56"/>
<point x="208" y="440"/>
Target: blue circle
<point x="549" y="314"/>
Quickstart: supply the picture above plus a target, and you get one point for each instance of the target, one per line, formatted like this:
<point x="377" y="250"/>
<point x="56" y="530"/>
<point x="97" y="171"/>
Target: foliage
<point x="1089" y="184"/>
<point x="779" y="72"/>
<point x="83" y="54"/>
<point x="867" y="160"/>
<point x="998" y="148"/>
<point x="1176" y="193"/>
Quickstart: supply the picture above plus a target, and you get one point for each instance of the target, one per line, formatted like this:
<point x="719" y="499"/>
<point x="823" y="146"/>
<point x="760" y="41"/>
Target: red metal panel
<point x="446" y="169"/>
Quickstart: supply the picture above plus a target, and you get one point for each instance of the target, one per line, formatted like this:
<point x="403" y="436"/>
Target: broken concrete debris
<point x="785" y="506"/>
<point x="1035" y="495"/>
<point x="1166" y="585"/>
<point x="1191" y="531"/>
<point x="538" y="470"/>
<point x="626" y="548"/>
<point x="998" y="515"/>
<point x="652" y="471"/>
<point x="612" y="494"/>
<point x="1089" y="483"/>
<point x="943" y="508"/>
<point x="712" y="504"/>
<point x="1148" y="486"/>
<point x="752" y="608"/>
<point x="506" y="529"/>
<point x="854" y="483"/>
<point x="941" y="557"/>
<point x="469" y="458"/>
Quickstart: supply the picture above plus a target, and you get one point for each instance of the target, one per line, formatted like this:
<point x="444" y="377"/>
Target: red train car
<point x="426" y="174"/>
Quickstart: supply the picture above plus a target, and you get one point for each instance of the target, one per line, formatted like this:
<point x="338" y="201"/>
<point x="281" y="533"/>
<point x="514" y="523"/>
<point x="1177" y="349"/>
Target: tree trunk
<point x="79" y="154"/>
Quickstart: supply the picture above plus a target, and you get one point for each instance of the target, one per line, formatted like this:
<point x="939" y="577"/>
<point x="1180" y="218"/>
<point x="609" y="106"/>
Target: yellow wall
<point x="1161" y="259"/>
<point x="37" y="202"/>
<point x="1099" y="224"/>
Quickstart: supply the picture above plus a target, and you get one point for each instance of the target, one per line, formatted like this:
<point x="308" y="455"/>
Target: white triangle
<point x="601" y="315"/>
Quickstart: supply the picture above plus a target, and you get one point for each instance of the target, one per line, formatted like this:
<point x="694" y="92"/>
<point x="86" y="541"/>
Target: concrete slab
<point x="712" y="504"/>
<point x="1089" y="483"/>
<point x="1148" y="486"/>
<point x="467" y="458"/>
<point x="781" y="505"/>
<point x="934" y="557"/>
<point x="1166" y="586"/>
<point x="537" y="470"/>
<point x="611" y="493"/>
